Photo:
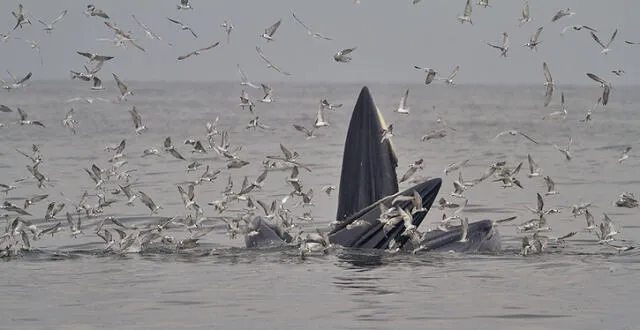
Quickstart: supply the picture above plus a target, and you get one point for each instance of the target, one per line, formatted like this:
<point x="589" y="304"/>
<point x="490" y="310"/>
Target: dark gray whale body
<point x="368" y="179"/>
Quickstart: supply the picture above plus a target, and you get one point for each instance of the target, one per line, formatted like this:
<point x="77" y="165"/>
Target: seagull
<point x="269" y="64"/>
<point x="576" y="28"/>
<point x="124" y="90"/>
<point x="403" y="108"/>
<point x="309" y="31"/>
<point x="534" y="169"/>
<point x="35" y="46"/>
<point x="88" y="100"/>
<point x="551" y="186"/>
<point x="270" y="31"/>
<point x="245" y="81"/>
<point x="525" y="18"/>
<point x="16" y="83"/>
<point x="387" y="133"/>
<point x="431" y="74"/>
<point x="605" y="48"/>
<point x="328" y="189"/>
<point x="413" y="168"/>
<point x="561" y="114"/>
<point x="268" y="94"/>
<point x="150" y="34"/>
<point x="483" y="3"/>
<point x="20" y="16"/>
<point x="549" y="84"/>
<point x="188" y="197"/>
<point x="245" y="102"/>
<point x="330" y="106"/>
<point x="227" y="26"/>
<point x="183" y="27"/>
<point x="307" y="132"/>
<point x="49" y="27"/>
<point x="24" y="121"/>
<point x="605" y="85"/>
<point x="466" y="16"/>
<point x="255" y="122"/>
<point x="92" y="11"/>
<point x="533" y="41"/>
<point x="618" y="72"/>
<point x="197" y="52"/>
<point x="505" y="45"/>
<point x="566" y="151"/>
<point x="93" y="57"/>
<point x="137" y="121"/>
<point x="97" y="84"/>
<point x="340" y="56"/>
<point x="184" y="4"/>
<point x="562" y="13"/>
<point x="69" y="122"/>
<point x="449" y="80"/>
<point x="514" y="133"/>
<point x="625" y="154"/>
<point x="168" y="147"/>
<point x="321" y="117"/>
<point x="147" y="201"/>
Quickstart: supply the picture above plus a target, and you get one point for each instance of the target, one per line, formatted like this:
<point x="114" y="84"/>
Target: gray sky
<point x="391" y="37"/>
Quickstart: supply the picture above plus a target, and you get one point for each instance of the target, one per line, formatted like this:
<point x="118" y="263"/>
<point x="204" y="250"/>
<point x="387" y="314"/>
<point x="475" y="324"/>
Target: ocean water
<point x="64" y="282"/>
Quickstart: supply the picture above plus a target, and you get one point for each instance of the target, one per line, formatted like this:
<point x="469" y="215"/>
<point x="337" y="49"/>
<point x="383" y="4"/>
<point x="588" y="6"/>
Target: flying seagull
<point x="124" y="90"/>
<point x="340" y="56"/>
<point x="513" y="132"/>
<point x="505" y="45"/>
<point x="197" y="52"/>
<point x="576" y="28"/>
<point x="245" y="81"/>
<point x="431" y="74"/>
<point x="533" y="41"/>
<point x="183" y="27"/>
<point x="270" y="31"/>
<point x="227" y="26"/>
<point x="309" y="31"/>
<point x="525" y="18"/>
<point x="562" y="13"/>
<point x="269" y="64"/>
<point x="605" y="48"/>
<point x="466" y="16"/>
<point x="184" y="5"/>
<point x="49" y="27"/>
<point x="549" y="84"/>
<point x="150" y="34"/>
<point x="449" y="80"/>
<point x="403" y="108"/>
<point x="605" y="85"/>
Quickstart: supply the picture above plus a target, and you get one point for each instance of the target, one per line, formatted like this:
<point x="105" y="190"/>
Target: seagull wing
<point x="121" y="85"/>
<point x="300" y="21"/>
<point x="270" y="31"/>
<point x="455" y="72"/>
<point x="613" y="36"/>
<point x="529" y="138"/>
<point x="209" y="47"/>
<point x="174" y="21"/>
<point x="595" y="37"/>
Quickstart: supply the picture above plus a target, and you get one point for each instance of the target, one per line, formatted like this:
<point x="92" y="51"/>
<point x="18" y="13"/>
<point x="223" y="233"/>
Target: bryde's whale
<point x="368" y="187"/>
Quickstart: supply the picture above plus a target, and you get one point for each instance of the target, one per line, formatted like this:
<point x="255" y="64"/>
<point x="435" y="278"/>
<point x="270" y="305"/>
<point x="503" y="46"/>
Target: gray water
<point x="69" y="283"/>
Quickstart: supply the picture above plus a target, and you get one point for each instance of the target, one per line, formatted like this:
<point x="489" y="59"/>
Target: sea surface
<point x="64" y="282"/>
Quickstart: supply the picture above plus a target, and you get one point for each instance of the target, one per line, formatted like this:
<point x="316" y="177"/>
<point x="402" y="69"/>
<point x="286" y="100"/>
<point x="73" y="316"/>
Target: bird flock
<point x="236" y="207"/>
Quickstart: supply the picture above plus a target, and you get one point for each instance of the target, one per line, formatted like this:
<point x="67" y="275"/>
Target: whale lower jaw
<point x="482" y="237"/>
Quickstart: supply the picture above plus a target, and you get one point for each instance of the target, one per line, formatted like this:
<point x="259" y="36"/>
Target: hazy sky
<point x="391" y="37"/>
